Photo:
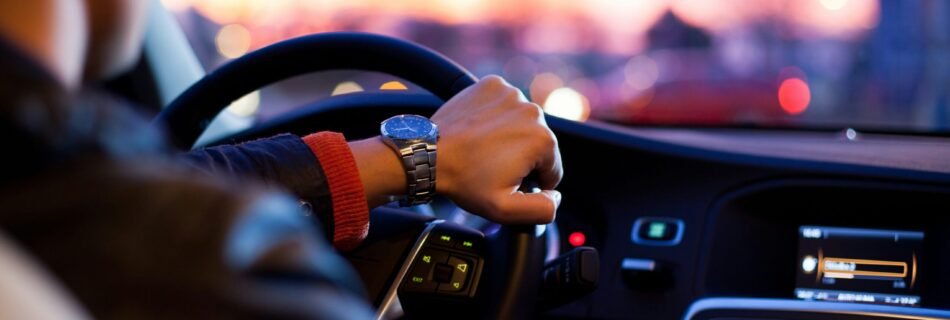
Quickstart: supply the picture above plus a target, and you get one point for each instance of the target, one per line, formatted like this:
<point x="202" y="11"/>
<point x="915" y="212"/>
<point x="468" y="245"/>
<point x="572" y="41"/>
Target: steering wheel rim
<point x="189" y="114"/>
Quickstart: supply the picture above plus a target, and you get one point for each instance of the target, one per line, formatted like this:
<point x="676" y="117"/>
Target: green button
<point x="467" y="244"/>
<point x="445" y="238"/>
<point x="427" y="258"/>
<point x="657" y="229"/>
<point x="417" y="279"/>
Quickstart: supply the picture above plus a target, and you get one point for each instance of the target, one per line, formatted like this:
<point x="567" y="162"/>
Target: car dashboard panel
<point x="721" y="212"/>
<point x="831" y="240"/>
<point x="747" y="220"/>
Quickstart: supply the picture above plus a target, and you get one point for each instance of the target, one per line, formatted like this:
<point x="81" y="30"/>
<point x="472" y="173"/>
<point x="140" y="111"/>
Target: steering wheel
<point x="509" y="264"/>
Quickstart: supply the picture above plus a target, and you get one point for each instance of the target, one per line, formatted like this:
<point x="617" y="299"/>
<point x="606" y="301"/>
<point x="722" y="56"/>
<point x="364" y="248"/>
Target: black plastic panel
<point x="753" y="235"/>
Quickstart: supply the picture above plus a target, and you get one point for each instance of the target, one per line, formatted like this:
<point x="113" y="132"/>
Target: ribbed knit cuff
<point x="350" y="210"/>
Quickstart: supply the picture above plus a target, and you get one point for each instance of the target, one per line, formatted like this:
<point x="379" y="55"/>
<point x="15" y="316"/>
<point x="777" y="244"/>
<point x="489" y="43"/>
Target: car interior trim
<point x="821" y="307"/>
<point x="390" y="297"/>
<point x="638" y="264"/>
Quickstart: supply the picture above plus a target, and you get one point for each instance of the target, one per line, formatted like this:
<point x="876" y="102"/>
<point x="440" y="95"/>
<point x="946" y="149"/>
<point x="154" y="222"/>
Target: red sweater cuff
<point x="350" y="211"/>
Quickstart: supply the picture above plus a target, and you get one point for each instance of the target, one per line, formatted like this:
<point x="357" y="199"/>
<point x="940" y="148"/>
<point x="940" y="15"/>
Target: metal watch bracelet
<point x="419" y="162"/>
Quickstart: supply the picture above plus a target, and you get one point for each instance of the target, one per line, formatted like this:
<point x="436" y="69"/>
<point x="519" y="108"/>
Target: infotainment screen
<point x="858" y="265"/>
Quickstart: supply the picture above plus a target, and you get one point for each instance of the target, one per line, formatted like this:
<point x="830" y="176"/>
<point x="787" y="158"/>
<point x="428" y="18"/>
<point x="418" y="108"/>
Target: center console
<point x="859" y="265"/>
<point x="820" y="249"/>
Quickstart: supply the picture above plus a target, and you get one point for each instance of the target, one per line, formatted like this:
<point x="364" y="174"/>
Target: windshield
<point x="866" y="64"/>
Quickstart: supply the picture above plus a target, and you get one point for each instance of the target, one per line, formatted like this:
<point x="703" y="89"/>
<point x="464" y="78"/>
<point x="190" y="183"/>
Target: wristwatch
<point x="414" y="138"/>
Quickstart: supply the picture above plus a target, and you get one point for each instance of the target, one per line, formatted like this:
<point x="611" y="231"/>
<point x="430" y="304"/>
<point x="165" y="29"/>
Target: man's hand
<point x="491" y="139"/>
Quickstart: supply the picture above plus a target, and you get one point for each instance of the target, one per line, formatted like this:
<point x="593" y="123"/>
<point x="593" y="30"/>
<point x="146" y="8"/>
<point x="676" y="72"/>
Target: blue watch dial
<point x="407" y="127"/>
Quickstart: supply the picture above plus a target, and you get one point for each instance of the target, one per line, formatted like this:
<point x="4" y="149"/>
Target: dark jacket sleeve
<point x="151" y="241"/>
<point x="284" y="161"/>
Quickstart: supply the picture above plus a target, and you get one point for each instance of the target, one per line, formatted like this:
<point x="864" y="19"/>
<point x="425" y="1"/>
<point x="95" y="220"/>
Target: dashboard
<point x="758" y="224"/>
<point x="720" y="223"/>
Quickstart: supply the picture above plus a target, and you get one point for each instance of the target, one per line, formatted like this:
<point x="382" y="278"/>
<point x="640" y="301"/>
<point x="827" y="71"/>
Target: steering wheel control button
<point x="461" y="267"/>
<point x="467" y="244"/>
<point x="452" y="257"/>
<point x="419" y="280"/>
<point x="442" y="273"/>
<point x="432" y="257"/>
<point x="657" y="231"/>
<point x="421" y="276"/>
<point x="569" y="277"/>
<point x="443" y="239"/>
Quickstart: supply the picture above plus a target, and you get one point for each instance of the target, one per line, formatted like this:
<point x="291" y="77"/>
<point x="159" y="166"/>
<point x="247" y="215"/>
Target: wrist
<point x="445" y="174"/>
<point x="380" y="170"/>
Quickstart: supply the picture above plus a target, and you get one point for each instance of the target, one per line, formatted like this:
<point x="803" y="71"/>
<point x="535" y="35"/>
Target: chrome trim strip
<point x="553" y="249"/>
<point x="391" y="294"/>
<point x="831" y="308"/>
<point x="638" y="264"/>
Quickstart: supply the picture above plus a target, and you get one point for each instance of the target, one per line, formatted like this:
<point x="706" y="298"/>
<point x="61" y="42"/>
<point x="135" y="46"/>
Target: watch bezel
<point x="432" y="134"/>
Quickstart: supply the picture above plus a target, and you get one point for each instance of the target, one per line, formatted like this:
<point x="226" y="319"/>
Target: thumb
<point x="530" y="208"/>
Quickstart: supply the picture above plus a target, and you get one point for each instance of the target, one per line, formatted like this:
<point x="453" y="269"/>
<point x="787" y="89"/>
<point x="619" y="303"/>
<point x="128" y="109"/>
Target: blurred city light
<point x="393" y="85"/>
<point x="794" y="95"/>
<point x="176" y="5"/>
<point x="346" y="87"/>
<point x="834" y="4"/>
<point x="835" y="17"/>
<point x="247" y="105"/>
<point x="663" y="62"/>
<point x="641" y="72"/>
<point x="233" y="40"/>
<point x="545" y="25"/>
<point x="567" y="103"/>
<point x="707" y="14"/>
<point x="542" y="86"/>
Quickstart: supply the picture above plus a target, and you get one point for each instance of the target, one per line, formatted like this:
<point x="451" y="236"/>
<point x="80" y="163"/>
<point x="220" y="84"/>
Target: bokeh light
<point x="176" y="5"/>
<point x="393" y="85"/>
<point x="247" y="105"/>
<point x="794" y="95"/>
<point x="835" y="17"/>
<point x="567" y="103"/>
<point x="542" y="86"/>
<point x="346" y="87"/>
<point x="577" y="238"/>
<point x="233" y="40"/>
<point x="834" y="4"/>
<point x="641" y="72"/>
<point x="664" y="62"/>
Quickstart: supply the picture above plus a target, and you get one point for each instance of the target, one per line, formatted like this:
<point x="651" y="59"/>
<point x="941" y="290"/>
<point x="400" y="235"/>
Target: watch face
<point x="407" y="127"/>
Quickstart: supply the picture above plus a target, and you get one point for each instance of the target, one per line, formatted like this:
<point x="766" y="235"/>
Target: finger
<point x="493" y="81"/>
<point x="549" y="168"/>
<point x="529" y="208"/>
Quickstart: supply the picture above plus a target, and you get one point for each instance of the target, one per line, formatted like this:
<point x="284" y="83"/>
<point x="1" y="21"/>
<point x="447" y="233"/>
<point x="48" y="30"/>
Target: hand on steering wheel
<point x="497" y="146"/>
<point x="491" y="139"/>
